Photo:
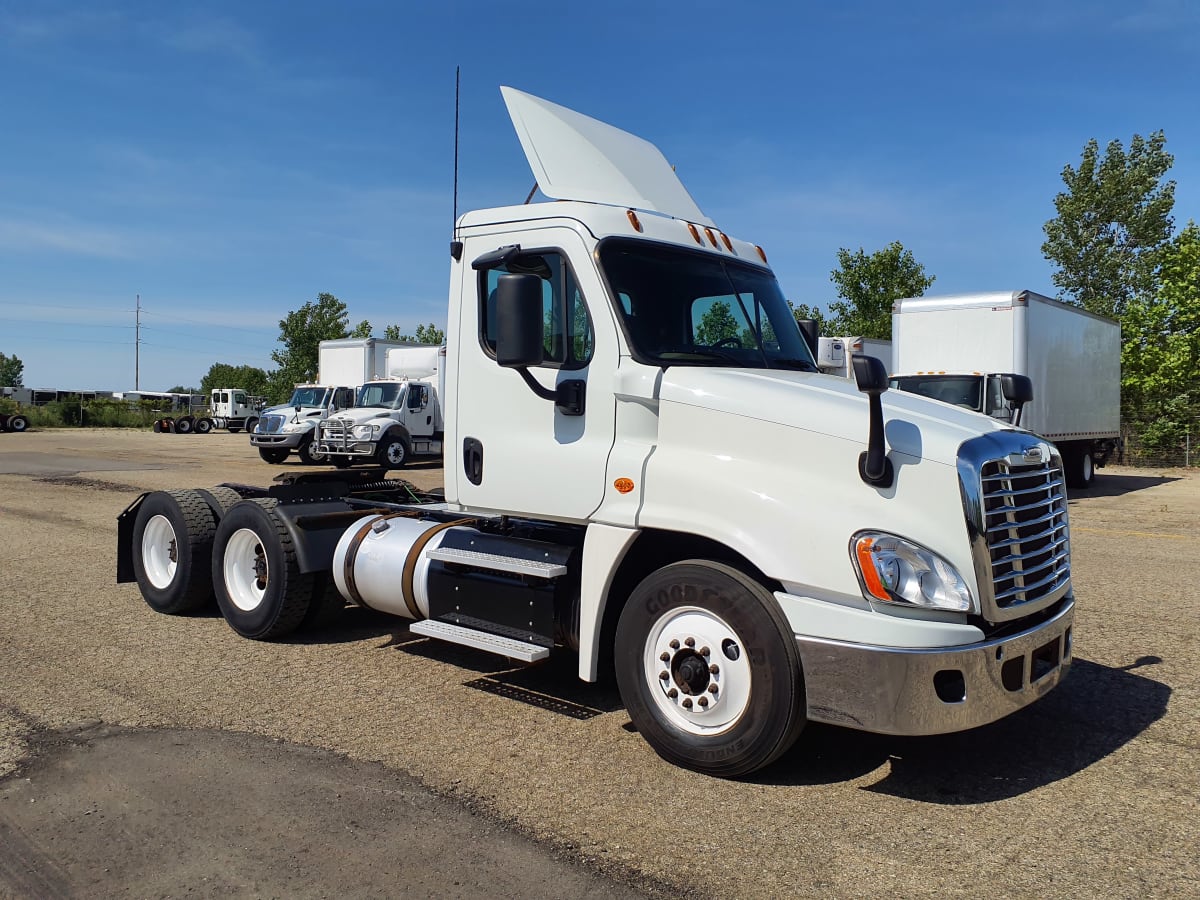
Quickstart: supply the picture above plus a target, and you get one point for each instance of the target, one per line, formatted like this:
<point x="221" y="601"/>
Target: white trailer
<point x="748" y="544"/>
<point x="956" y="348"/>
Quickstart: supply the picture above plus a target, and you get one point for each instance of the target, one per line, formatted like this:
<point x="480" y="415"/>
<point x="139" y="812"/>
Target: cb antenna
<point x="456" y="246"/>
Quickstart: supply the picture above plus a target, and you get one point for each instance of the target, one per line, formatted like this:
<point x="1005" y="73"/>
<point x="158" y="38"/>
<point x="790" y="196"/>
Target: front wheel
<point x="273" y="455"/>
<point x="260" y="589"/>
<point x="393" y="452"/>
<point x="310" y="454"/>
<point x="708" y="669"/>
<point x="1081" y="469"/>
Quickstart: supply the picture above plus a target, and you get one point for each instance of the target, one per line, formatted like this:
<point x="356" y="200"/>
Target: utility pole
<point x="137" y="344"/>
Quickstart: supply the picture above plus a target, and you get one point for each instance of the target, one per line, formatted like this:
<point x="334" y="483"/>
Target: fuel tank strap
<point x="410" y="564"/>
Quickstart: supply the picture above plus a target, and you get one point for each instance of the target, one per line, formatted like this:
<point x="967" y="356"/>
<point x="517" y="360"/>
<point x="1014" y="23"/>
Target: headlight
<point x="898" y="571"/>
<point x="365" y="432"/>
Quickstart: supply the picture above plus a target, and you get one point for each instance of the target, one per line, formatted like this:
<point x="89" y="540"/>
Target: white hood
<point x="826" y="404"/>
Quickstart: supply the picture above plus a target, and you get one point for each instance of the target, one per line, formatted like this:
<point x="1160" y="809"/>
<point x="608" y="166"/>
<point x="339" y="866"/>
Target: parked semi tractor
<point x="745" y="543"/>
<point x="394" y="420"/>
<point x="959" y="348"/>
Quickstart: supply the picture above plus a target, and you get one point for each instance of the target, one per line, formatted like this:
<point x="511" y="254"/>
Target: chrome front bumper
<point x="347" y="448"/>
<point x="914" y="692"/>
<point x="281" y="441"/>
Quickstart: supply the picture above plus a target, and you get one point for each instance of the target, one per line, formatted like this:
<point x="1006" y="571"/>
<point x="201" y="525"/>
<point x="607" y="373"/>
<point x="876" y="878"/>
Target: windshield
<point x="960" y="390"/>
<point x="309" y="396"/>
<point x="383" y="394"/>
<point x="686" y="308"/>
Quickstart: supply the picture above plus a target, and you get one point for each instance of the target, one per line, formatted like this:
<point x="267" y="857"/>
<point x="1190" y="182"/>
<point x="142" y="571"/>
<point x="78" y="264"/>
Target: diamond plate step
<point x="498" y="563"/>
<point x="480" y="640"/>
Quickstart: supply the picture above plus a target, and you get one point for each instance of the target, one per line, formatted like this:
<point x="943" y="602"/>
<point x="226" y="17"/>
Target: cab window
<point x="569" y="339"/>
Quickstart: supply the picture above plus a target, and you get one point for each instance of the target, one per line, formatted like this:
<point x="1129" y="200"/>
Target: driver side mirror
<point x="519" y="326"/>
<point x="1017" y="390"/>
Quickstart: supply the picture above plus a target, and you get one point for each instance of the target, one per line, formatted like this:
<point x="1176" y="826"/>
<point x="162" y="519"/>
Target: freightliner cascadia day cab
<point x="960" y="348"/>
<point x="745" y="543"/>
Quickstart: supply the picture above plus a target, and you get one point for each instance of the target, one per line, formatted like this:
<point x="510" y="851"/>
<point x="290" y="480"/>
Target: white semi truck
<point x="834" y="354"/>
<point x="960" y="348"/>
<point x="394" y="420"/>
<point x="746" y="543"/>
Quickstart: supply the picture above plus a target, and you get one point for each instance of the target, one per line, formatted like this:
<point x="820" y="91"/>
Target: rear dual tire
<point x="172" y="545"/>
<point x="256" y="576"/>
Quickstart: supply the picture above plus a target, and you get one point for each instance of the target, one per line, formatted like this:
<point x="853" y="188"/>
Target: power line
<point x="199" y="337"/>
<point x="61" y="324"/>
<point x="220" y="325"/>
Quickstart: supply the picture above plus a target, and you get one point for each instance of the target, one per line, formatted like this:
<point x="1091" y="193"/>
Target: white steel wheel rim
<point x="674" y="649"/>
<point x="246" y="570"/>
<point x="1086" y="466"/>
<point x="314" y="452"/>
<point x="395" y="452"/>
<point x="160" y="552"/>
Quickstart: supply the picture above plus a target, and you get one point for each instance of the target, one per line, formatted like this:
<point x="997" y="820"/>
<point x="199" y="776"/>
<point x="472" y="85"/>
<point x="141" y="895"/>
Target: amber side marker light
<point x="634" y="220"/>
<point x="712" y="238"/>
<point x="726" y="241"/>
<point x="623" y="485"/>
<point x="761" y="254"/>
<point x="695" y="233"/>
<point x="866" y="565"/>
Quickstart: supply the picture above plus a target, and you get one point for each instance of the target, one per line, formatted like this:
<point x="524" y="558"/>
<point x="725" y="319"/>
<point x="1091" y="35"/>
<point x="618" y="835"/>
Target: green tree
<point x="1114" y="219"/>
<point x="801" y="311"/>
<point x="361" y="330"/>
<point x="1160" y="352"/>
<point x="251" y="379"/>
<point x="301" y="334"/>
<point x="716" y="325"/>
<point x="869" y="284"/>
<point x="426" y="334"/>
<point x="12" y="371"/>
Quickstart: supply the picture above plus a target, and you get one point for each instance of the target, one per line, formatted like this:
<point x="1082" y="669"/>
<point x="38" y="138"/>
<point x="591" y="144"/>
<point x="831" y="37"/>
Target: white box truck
<point x="746" y="543"/>
<point x="956" y="348"/>
<point x="354" y="361"/>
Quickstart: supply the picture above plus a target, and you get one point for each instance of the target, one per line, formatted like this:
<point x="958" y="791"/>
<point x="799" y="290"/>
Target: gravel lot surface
<point x="1093" y="791"/>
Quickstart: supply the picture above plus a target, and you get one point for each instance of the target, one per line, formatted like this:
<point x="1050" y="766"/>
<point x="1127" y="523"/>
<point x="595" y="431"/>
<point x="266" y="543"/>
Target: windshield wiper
<point x="802" y="364"/>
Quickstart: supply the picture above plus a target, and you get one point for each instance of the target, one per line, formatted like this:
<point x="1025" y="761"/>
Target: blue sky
<point x="228" y="161"/>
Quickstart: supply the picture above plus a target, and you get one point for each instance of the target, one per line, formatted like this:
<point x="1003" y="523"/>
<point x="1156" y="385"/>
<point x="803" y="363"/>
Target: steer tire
<point x="172" y="550"/>
<point x="273" y="455"/>
<point x="758" y="709"/>
<point x="310" y="455"/>
<point x="256" y="577"/>
<point x="393" y="452"/>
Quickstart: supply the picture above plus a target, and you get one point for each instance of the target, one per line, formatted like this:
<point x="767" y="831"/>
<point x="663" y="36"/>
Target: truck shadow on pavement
<point x="1118" y="485"/>
<point x="1094" y="712"/>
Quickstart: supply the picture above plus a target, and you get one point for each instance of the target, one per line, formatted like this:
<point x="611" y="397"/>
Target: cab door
<point x="517" y="451"/>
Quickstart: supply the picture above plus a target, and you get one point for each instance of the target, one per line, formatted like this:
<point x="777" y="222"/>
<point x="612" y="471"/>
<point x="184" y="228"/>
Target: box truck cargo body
<point x="954" y="348"/>
<point x="355" y="361"/>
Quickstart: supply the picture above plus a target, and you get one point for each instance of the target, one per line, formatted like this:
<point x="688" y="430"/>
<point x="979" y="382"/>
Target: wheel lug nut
<point x="663" y="675"/>
<point x="674" y="645"/>
<point x="703" y="701"/>
<point x="687" y="703"/>
<point x="704" y="651"/>
<point x="672" y="693"/>
<point x="714" y="669"/>
<point x="691" y="642"/>
<point x="664" y="656"/>
<point x="712" y="689"/>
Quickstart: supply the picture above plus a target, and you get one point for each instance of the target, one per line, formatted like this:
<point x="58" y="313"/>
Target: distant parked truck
<point x="292" y="427"/>
<point x="393" y="419"/>
<point x="957" y="348"/>
<point x="355" y="361"/>
<point x="234" y="409"/>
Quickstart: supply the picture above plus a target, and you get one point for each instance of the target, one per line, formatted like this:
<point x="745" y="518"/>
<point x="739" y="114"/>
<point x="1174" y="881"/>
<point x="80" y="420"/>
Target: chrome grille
<point x="1016" y="506"/>
<point x="271" y="424"/>
<point x="1026" y="531"/>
